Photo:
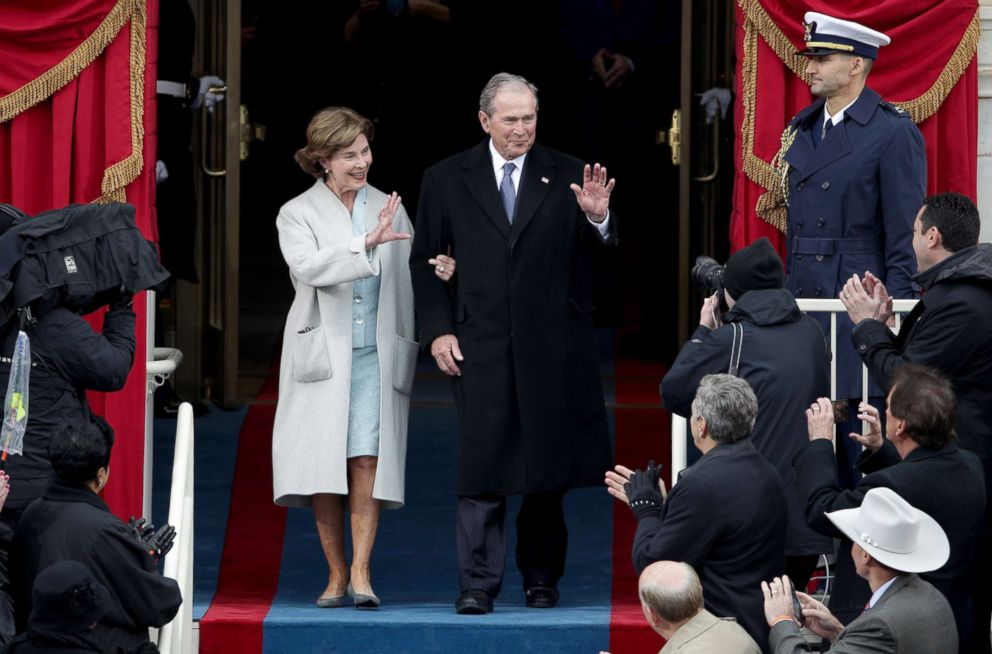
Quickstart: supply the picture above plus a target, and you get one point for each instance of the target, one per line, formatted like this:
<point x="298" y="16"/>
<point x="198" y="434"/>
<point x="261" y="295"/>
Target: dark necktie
<point x="827" y="126"/>
<point x="507" y="191"/>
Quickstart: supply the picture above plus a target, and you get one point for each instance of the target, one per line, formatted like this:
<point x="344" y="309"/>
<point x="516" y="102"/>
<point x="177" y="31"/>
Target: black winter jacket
<point x="785" y="359"/>
<point x="948" y="330"/>
<point x="70" y="522"/>
<point x="68" y="358"/>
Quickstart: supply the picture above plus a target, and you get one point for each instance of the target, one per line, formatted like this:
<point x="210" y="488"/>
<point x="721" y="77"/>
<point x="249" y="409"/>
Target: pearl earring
<point x="327" y="171"/>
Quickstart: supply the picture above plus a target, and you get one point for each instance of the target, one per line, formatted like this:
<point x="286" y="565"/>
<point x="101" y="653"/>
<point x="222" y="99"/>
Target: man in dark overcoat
<point x="919" y="460"/>
<point x="515" y="334"/>
<point x="726" y="516"/>
<point x="856" y="170"/>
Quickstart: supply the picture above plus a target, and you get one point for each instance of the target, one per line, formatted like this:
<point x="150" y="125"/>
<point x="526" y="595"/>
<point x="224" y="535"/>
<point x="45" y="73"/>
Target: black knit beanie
<point x="753" y="268"/>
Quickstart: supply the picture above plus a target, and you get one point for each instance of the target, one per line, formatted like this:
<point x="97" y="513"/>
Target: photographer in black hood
<point x="765" y="339"/>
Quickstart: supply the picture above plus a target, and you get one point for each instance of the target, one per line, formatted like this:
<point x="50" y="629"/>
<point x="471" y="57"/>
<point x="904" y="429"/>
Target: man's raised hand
<point x="594" y="194"/>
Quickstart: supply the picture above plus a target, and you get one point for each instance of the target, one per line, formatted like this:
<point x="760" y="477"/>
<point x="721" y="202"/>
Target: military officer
<point x="855" y="168"/>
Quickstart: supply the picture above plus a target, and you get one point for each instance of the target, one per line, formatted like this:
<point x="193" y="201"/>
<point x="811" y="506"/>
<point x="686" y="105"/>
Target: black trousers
<point x="542" y="540"/>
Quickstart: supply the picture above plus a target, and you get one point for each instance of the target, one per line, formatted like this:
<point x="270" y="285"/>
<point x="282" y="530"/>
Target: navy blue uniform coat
<point x="852" y="202"/>
<point x="530" y="402"/>
<point x="726" y="517"/>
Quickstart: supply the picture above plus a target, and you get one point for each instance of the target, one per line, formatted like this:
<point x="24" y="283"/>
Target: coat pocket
<point x="311" y="360"/>
<point x="404" y="364"/>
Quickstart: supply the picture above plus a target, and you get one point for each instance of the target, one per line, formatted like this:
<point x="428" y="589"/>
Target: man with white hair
<point x="891" y="542"/>
<point x="727" y="515"/>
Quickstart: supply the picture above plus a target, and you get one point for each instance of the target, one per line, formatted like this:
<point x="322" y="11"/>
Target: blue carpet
<point x="413" y="564"/>
<point x="414" y="570"/>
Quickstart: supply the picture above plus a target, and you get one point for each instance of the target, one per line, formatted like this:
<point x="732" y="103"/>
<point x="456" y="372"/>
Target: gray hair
<point x="497" y="82"/>
<point x="672" y="590"/>
<point x="729" y="406"/>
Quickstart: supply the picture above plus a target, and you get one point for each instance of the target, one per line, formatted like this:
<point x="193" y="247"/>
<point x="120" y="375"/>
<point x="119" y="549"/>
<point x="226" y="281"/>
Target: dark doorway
<point x="416" y="68"/>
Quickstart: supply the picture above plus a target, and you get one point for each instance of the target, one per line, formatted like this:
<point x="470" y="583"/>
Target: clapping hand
<point x="866" y="299"/>
<point x="594" y="194"/>
<point x="4" y="487"/>
<point x="820" y="420"/>
<point x="383" y="231"/>
<point x="873" y="439"/>
<point x="618" y="478"/>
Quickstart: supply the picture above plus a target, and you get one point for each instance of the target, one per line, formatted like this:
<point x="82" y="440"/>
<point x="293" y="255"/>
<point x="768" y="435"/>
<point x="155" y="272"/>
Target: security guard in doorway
<point x="855" y="169"/>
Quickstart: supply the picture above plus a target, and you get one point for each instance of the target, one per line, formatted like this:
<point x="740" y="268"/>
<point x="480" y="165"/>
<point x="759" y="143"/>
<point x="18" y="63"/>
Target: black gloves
<point x="157" y="543"/>
<point x="643" y="492"/>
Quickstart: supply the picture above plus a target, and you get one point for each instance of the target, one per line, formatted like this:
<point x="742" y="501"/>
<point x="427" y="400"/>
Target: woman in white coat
<point x="348" y="354"/>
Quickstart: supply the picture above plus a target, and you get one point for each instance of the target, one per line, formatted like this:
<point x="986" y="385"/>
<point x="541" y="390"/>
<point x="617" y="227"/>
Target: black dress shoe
<point x="473" y="602"/>
<point x="542" y="597"/>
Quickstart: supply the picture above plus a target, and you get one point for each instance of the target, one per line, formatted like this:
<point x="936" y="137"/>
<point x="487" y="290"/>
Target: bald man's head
<point x="671" y="590"/>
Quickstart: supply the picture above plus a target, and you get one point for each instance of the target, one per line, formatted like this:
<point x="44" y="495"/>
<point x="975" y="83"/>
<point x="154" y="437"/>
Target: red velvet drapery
<point x="929" y="70"/>
<point x="77" y="98"/>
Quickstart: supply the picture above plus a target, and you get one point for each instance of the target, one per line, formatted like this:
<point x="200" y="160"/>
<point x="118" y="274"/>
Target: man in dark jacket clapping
<point x="782" y="354"/>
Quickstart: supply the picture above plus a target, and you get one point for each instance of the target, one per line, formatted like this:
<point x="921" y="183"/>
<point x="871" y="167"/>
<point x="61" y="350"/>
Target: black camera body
<point x="707" y="274"/>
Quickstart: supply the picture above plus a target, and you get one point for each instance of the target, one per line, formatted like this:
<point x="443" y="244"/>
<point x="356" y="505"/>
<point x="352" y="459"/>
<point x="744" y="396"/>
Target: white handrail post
<point x="146" y="491"/>
<point x="679" y="448"/>
<point x="176" y="637"/>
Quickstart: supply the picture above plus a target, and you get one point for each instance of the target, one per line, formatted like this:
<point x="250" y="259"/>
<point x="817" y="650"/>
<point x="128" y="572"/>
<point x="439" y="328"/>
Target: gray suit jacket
<point x="911" y="617"/>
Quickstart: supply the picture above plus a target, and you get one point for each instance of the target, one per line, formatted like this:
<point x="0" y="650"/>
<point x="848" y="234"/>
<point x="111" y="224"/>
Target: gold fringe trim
<point x="772" y="205"/>
<point x="43" y="87"/>
<point x="927" y="104"/>
<point x="119" y="175"/>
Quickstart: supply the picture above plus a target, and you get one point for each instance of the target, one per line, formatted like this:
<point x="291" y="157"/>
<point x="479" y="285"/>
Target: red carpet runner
<point x="249" y="573"/>
<point x="643" y="432"/>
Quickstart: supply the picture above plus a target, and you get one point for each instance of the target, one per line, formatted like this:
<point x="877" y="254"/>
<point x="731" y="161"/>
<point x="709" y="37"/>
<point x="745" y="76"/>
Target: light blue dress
<point x="363" y="413"/>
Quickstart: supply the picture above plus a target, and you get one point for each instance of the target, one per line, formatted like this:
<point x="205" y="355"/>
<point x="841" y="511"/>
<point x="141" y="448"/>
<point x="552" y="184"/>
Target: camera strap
<point x="735" y="349"/>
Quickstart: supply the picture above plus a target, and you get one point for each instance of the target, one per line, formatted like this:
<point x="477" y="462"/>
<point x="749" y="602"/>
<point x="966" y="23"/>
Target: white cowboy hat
<point x="894" y="532"/>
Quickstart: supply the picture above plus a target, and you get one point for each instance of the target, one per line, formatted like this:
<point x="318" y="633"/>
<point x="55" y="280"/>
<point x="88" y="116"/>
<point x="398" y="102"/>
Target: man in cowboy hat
<point x="891" y="542"/>
<point x="856" y="174"/>
<point x="920" y="460"/>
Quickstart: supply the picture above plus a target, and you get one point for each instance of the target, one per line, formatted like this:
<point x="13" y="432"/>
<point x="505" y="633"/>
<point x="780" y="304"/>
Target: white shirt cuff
<point x="604" y="227"/>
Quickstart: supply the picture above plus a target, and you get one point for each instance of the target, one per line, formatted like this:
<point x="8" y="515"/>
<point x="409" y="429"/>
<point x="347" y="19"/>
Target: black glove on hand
<point x="141" y="528"/>
<point x="643" y="492"/>
<point x="160" y="543"/>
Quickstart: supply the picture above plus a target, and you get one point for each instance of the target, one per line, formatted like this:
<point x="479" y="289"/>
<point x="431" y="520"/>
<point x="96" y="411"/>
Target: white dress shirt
<point x="837" y="117"/>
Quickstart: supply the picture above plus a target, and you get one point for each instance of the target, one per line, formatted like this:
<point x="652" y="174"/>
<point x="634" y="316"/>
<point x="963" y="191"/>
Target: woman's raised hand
<point x="383" y="231"/>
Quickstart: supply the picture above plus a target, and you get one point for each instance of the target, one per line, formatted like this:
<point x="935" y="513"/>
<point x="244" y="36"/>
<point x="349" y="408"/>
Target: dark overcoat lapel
<point x="480" y="179"/>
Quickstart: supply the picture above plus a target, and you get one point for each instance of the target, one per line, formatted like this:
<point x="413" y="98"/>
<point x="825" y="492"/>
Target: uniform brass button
<point x="799" y="291"/>
<point x="818" y="292"/>
<point x="821" y="222"/>
<point x="862" y="347"/>
<point x="800" y="186"/>
<point x="819" y="257"/>
<point x="825" y="185"/>
<point x="799" y="256"/>
<point x="799" y="224"/>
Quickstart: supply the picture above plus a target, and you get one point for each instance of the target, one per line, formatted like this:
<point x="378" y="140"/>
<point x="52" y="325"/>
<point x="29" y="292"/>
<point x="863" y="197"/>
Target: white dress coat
<point x="310" y="434"/>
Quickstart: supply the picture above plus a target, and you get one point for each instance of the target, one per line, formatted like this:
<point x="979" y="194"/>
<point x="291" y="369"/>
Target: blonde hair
<point x="330" y="130"/>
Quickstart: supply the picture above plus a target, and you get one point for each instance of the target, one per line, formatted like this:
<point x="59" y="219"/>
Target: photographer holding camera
<point x="766" y="340"/>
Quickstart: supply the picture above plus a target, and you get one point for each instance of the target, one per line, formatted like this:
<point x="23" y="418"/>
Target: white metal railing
<point x="833" y="307"/>
<point x="160" y="362"/>
<point x="177" y="636"/>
